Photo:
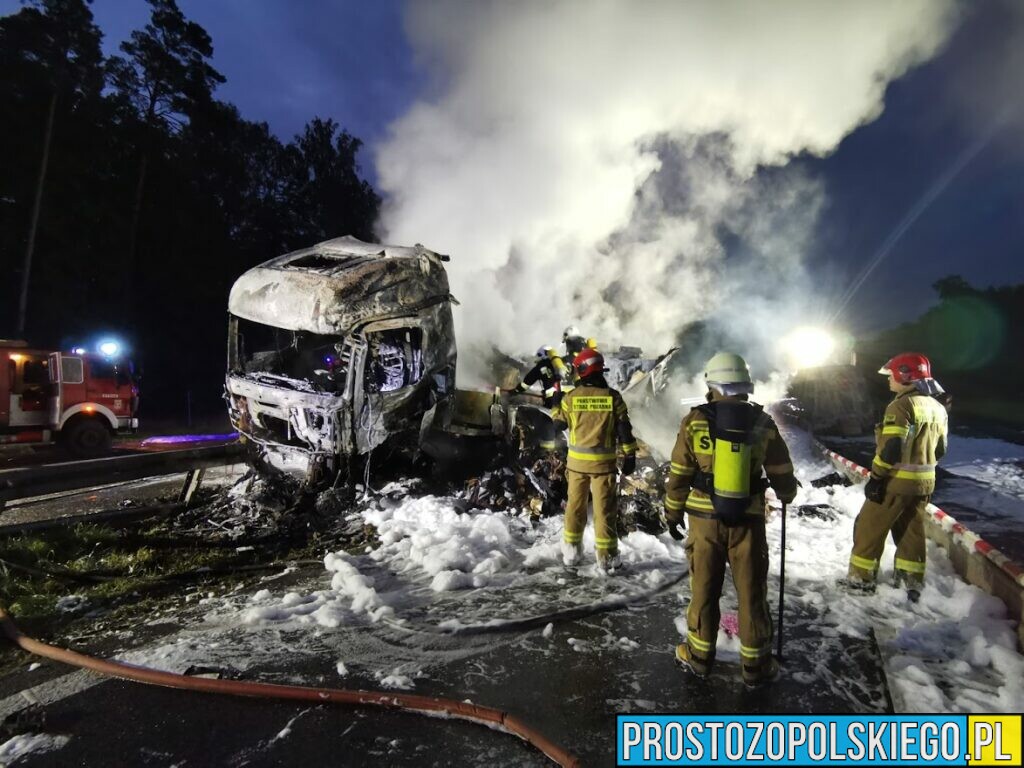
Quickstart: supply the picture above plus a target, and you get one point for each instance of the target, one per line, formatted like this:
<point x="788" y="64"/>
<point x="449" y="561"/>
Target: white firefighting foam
<point x="427" y="546"/>
<point x="953" y="651"/>
<point x="437" y="569"/>
<point x="593" y="164"/>
<point x="26" y="744"/>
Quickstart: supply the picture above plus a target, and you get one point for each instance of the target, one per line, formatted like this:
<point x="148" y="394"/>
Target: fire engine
<point x="78" y="399"/>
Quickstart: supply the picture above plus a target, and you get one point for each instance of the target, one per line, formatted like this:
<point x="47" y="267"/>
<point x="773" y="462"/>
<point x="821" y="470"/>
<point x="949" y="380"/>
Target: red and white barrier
<point x="966" y="537"/>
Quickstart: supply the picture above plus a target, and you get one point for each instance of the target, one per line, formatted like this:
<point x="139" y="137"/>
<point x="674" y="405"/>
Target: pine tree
<point x="52" y="47"/>
<point x="164" y="76"/>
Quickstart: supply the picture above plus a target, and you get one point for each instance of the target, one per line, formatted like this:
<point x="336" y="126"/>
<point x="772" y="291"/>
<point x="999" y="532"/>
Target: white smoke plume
<point x="626" y="166"/>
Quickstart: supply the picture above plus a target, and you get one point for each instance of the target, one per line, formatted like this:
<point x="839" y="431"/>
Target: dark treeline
<point x="155" y="195"/>
<point x="974" y="339"/>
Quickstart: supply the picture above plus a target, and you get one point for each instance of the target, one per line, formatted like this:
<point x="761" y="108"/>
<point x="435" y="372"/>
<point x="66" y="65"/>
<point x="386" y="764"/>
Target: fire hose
<point x="424" y="705"/>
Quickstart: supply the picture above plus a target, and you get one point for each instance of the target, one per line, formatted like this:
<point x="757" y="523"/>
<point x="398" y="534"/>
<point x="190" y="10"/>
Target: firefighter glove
<point x="629" y="464"/>
<point x="677" y="529"/>
<point x="874" y="489"/>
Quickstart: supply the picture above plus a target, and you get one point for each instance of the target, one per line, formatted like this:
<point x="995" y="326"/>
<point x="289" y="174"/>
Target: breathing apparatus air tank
<point x="731" y="425"/>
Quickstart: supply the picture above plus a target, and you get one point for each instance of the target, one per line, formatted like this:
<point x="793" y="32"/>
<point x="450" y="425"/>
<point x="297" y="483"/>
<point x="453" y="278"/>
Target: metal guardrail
<point x="112" y="517"/>
<point x="25" y="482"/>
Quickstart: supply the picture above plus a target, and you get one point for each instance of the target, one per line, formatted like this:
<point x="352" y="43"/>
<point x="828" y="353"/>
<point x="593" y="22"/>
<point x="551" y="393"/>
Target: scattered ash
<point x="833" y="478"/>
<point x="256" y="506"/>
<point x="537" y="484"/>
<point x="640" y="500"/>
<point x="276" y="512"/>
<point x="818" y="512"/>
<point x="31" y="719"/>
<point x="281" y="511"/>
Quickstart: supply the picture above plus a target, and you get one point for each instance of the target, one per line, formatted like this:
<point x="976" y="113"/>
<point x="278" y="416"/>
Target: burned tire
<point x="85" y="438"/>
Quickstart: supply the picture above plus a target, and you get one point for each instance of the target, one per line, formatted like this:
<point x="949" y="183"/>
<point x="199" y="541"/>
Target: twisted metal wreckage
<point x="346" y="347"/>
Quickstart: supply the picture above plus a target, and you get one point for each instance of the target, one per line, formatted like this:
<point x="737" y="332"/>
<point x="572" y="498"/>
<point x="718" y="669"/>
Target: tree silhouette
<point x="56" y="47"/>
<point x="334" y="199"/>
<point x="221" y="193"/>
<point x="952" y="286"/>
<point x="165" y="74"/>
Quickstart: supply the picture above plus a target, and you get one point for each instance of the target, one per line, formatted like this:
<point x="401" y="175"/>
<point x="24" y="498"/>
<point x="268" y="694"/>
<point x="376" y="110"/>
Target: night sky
<point x="286" y="62"/>
<point x="975" y="227"/>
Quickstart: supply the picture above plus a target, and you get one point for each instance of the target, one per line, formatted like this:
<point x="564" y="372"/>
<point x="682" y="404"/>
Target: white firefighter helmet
<point x="544" y="351"/>
<point x="728" y="374"/>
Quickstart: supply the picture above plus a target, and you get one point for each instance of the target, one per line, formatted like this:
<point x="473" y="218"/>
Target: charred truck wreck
<point x="337" y="349"/>
<point x="347" y="347"/>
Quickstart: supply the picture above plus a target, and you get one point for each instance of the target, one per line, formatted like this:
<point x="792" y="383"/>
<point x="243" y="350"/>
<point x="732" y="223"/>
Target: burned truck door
<point x="390" y="387"/>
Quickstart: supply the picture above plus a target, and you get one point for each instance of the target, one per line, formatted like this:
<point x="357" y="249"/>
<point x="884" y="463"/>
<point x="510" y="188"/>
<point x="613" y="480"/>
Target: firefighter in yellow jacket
<point x="716" y="478"/>
<point x="596" y="418"/>
<point x="910" y="441"/>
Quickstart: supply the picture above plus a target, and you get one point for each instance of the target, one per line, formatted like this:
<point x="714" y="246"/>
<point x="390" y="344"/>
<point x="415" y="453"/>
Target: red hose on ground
<point x="428" y="705"/>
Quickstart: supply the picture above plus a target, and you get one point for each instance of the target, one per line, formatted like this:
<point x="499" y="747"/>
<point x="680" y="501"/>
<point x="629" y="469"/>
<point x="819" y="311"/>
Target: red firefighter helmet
<point x="908" y="367"/>
<point x="588" y="362"/>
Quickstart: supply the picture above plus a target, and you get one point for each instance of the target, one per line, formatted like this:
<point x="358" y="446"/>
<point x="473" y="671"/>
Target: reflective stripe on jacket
<point x="694" y="450"/>
<point x="597" y="419"/>
<point x="910" y="441"/>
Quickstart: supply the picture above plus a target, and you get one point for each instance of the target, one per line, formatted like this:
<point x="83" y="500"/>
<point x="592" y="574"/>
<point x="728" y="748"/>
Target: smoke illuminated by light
<point x="625" y="166"/>
<point x="809" y="347"/>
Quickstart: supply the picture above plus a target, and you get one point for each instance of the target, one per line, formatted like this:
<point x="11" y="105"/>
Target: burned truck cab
<point x="337" y="349"/>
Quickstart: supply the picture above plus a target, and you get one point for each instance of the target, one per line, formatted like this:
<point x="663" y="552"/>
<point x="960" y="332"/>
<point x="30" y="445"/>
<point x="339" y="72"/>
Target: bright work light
<point x="809" y="347"/>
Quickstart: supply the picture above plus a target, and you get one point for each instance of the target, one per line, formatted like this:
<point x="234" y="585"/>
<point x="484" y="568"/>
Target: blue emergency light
<point x="109" y="347"/>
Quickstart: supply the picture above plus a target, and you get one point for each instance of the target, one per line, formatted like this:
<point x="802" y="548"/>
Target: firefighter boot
<point x="571" y="554"/>
<point x="760" y="674"/>
<point x="609" y="563"/>
<point x="701" y="668"/>
<point x="856" y="584"/>
<point x="911" y="582"/>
